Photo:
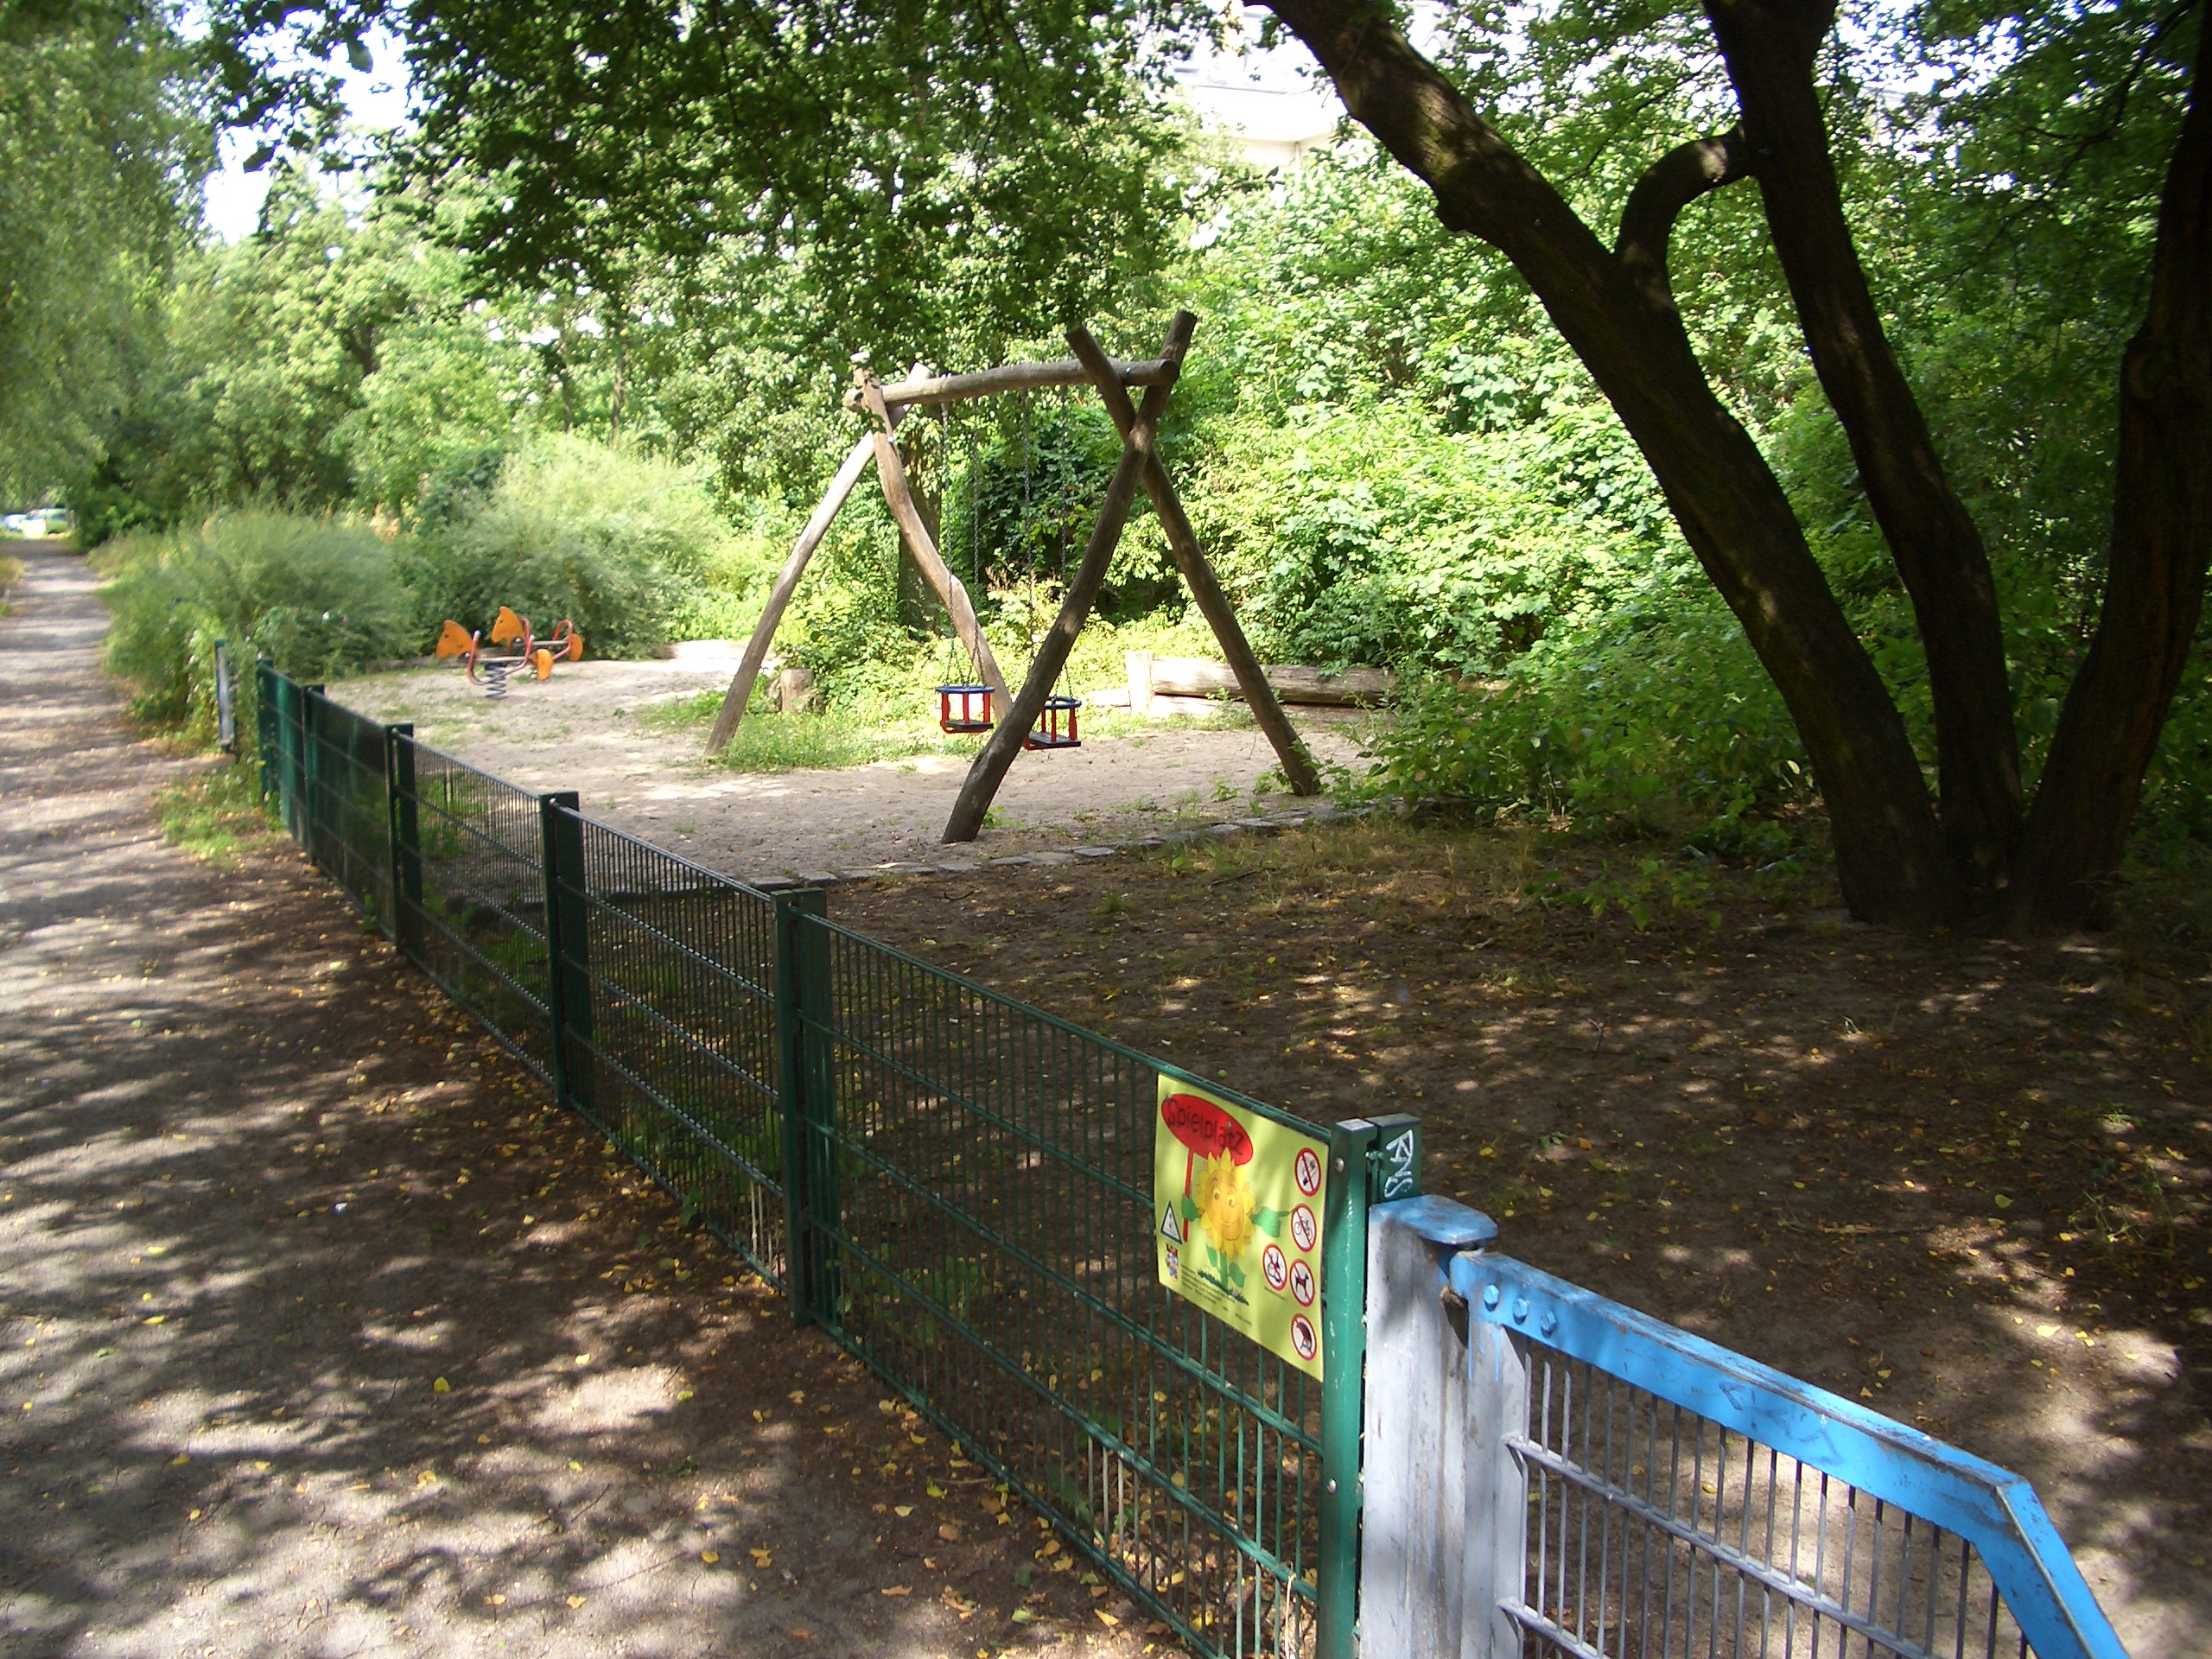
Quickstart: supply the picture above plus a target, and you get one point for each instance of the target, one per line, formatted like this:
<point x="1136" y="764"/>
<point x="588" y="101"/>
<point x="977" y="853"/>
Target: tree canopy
<point x="102" y="146"/>
<point x="1902" y="312"/>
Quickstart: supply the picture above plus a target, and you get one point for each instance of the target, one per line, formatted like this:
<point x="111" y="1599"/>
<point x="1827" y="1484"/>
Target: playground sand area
<point x="1963" y="1181"/>
<point x="602" y="727"/>
<point x="322" y="1333"/>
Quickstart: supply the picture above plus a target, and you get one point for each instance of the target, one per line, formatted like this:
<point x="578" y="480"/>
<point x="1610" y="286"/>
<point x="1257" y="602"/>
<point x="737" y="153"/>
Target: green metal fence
<point x="955" y="1186"/>
<point x="977" y="1182"/>
<point x="666" y="991"/>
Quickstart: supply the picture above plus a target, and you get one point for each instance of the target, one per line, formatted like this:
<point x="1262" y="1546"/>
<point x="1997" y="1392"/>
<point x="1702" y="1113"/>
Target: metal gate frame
<point x="1552" y="1473"/>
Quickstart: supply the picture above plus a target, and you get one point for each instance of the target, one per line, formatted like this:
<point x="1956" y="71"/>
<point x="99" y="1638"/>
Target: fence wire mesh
<point x="989" y="1244"/>
<point x="673" y="1051"/>
<point x="1654" y="1533"/>
<point x="957" y="1185"/>
<point x="472" y="912"/>
<point x="346" y="803"/>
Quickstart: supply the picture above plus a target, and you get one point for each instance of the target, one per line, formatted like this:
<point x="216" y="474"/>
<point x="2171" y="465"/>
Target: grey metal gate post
<point x="1447" y="1507"/>
<point x="226" y="700"/>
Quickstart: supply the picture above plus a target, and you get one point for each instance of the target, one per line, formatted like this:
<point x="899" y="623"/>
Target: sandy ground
<point x="582" y="730"/>
<point x="322" y="1334"/>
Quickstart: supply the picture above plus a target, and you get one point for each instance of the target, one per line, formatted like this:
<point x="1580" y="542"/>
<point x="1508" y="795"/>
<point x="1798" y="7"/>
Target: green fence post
<point x="312" y="808"/>
<point x="264" y="724"/>
<point x="304" y="770"/>
<point x="405" y="836"/>
<point x="1344" y="1371"/>
<point x="568" y="958"/>
<point x="806" y="1096"/>
<point x="288" y="742"/>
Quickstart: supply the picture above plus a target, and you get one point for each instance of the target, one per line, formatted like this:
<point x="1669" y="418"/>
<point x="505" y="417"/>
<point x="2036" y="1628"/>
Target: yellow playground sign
<point x="1237" y="1202"/>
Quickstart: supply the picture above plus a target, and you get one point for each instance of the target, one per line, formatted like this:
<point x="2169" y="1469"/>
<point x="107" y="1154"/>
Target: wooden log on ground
<point x="990" y="766"/>
<point x="1194" y="676"/>
<point x="1014" y="377"/>
<point x="779" y="596"/>
<point x="1213" y="604"/>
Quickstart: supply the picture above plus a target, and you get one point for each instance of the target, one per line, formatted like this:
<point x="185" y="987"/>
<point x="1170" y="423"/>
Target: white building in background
<point x="1266" y="103"/>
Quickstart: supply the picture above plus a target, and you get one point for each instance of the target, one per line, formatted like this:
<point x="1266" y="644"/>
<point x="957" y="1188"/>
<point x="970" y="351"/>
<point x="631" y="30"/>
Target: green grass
<point x="215" y="816"/>
<point x="768" y="741"/>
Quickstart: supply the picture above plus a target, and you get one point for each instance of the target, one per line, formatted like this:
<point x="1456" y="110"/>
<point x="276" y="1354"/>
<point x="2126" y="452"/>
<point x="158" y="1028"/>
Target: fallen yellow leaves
<point x="760" y="1557"/>
<point x="710" y="1556"/>
<point x="442" y="1387"/>
<point x="896" y="1589"/>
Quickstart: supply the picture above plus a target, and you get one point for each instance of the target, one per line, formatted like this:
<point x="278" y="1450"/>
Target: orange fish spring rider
<point x="513" y="645"/>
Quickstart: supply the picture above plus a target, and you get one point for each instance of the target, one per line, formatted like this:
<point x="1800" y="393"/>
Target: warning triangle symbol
<point x="1171" y="1224"/>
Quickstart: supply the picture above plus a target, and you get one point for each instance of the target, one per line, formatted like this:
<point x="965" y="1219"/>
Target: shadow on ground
<point x="320" y="1334"/>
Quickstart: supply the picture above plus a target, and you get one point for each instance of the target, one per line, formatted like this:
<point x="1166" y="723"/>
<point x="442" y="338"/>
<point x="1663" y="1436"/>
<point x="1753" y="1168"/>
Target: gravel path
<point x="321" y="1335"/>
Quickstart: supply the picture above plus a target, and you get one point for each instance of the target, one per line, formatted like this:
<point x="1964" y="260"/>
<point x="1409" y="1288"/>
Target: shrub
<point x="616" y="540"/>
<point x="1657" y="720"/>
<point x="1369" y="535"/>
<point x="318" y="596"/>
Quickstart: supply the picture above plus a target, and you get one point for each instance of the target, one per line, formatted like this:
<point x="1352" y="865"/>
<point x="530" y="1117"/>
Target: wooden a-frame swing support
<point x="1140" y="465"/>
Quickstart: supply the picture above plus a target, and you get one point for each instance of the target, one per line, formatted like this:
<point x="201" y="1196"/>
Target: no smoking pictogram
<point x="1272" y="1264"/>
<point x="1304" y="1229"/>
<point x="1309" y="1171"/>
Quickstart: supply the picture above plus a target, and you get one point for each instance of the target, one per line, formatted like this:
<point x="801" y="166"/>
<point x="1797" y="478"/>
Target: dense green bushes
<point x="318" y="596"/>
<point x="1655" y="720"/>
<point x="623" y="543"/>
<point x="1363" y="533"/>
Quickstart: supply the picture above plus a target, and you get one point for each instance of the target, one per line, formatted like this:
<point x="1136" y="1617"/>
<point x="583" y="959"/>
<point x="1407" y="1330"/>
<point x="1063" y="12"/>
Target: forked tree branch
<point x="1670" y="185"/>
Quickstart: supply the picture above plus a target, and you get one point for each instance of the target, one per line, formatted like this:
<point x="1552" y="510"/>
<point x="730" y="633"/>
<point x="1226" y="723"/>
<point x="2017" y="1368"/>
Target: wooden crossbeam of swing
<point x="990" y="768"/>
<point x="1190" y="559"/>
<point x="1013" y="376"/>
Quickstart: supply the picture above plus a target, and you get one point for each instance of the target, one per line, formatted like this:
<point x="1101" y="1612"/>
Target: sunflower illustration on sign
<point x="1239" y="1198"/>
<point x="1218" y="1212"/>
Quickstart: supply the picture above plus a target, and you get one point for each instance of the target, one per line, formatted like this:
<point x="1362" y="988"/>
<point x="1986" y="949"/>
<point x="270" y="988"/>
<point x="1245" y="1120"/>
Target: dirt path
<point x="319" y="1335"/>
<point x="583" y="730"/>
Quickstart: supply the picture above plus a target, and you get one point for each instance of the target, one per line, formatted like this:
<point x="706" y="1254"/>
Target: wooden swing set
<point x="1037" y="717"/>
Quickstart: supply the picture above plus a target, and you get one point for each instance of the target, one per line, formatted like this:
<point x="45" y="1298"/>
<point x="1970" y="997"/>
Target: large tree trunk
<point x="1617" y="315"/>
<point x="2161" y="544"/>
<point x="1771" y="47"/>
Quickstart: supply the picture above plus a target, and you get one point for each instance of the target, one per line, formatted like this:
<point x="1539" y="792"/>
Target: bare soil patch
<point x="587" y="730"/>
<point x="322" y="1334"/>
<point x="1965" y="1181"/>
